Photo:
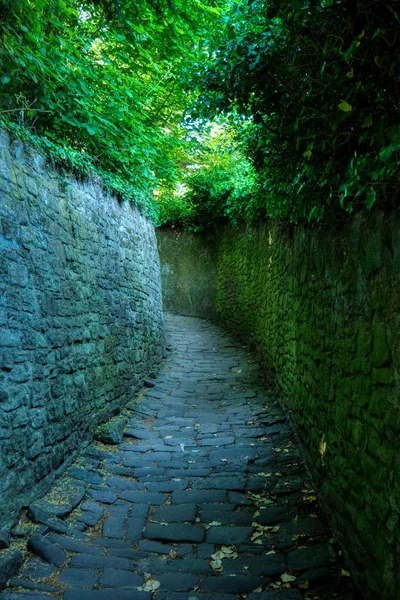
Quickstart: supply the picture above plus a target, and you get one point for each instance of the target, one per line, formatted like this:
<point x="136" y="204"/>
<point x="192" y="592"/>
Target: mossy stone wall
<point x="323" y="307"/>
<point x="81" y="320"/>
<point x="188" y="271"/>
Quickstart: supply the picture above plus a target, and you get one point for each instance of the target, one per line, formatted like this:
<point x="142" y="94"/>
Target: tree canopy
<point x="215" y="110"/>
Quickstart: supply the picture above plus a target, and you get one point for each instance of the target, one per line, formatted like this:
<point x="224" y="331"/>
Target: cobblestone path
<point x="205" y="499"/>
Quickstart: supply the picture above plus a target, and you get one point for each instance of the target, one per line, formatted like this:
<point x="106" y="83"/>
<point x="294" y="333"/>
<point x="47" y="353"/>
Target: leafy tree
<point x="100" y="83"/>
<point x="320" y="79"/>
<point x="310" y="89"/>
<point x="216" y="182"/>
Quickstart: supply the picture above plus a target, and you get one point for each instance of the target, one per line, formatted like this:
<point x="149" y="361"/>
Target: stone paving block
<point x="119" y="510"/>
<point x="217" y="441"/>
<point x="178" y="582"/>
<point x="205" y="550"/>
<point x="185" y="550"/>
<point x="139" y="510"/>
<point x="38" y="515"/>
<point x="134" y="555"/>
<point x="121" y="483"/>
<point x="166" y="486"/>
<point x="175" y="514"/>
<point x="160" y="565"/>
<point x="103" y="495"/>
<point x="276" y="514"/>
<point x="43" y="547"/>
<point x="88" y="561"/>
<point x="114" y="578"/>
<point x="194" y="596"/>
<point x="227" y="518"/>
<point x="153" y="546"/>
<point x="79" y="578"/>
<point x="238" y="498"/>
<point x="134" y="528"/>
<point x="313" y="556"/>
<point x="111" y="543"/>
<point x="188" y="472"/>
<point x="276" y="595"/>
<point x="86" y="475"/>
<point x="73" y="545"/>
<point x="220" y="482"/>
<point x="114" y="528"/>
<point x="105" y="595"/>
<point x="228" y="535"/>
<point x="268" y="566"/>
<point x="234" y="585"/>
<point x="148" y="471"/>
<point x="177" y="532"/>
<point x="9" y="595"/>
<point x="153" y="498"/>
<point x="198" y="496"/>
<point x="29" y="585"/>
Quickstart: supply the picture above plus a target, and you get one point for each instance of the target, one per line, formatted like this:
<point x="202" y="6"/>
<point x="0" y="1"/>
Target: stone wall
<point x="188" y="271"/>
<point x="80" y="317"/>
<point x="323" y="307"/>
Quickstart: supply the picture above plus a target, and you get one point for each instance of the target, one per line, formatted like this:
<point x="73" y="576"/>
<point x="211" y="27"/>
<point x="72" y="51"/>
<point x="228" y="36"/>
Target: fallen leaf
<point x="151" y="585"/>
<point x="345" y="573"/>
<point x="225" y="552"/>
<point x="276" y="585"/>
<point x="216" y="565"/>
<point x="287" y="578"/>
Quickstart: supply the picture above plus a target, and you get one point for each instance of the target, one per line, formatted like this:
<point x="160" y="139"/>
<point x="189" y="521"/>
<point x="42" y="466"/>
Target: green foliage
<point x="217" y="181"/>
<point x="125" y="89"/>
<point x="320" y="79"/>
<point x="99" y="83"/>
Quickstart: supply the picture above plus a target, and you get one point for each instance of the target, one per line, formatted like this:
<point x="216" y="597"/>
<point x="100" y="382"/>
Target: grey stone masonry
<point x="259" y="536"/>
<point x="81" y="323"/>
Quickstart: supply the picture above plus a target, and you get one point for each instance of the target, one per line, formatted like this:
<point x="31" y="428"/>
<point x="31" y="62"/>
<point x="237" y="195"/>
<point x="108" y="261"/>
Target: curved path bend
<point x="206" y="498"/>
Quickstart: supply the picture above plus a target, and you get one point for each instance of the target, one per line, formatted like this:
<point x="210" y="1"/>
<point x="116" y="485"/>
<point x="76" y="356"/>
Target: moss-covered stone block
<point x="380" y="348"/>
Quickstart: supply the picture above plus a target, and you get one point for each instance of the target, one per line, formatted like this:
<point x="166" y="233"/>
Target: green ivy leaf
<point x="345" y="106"/>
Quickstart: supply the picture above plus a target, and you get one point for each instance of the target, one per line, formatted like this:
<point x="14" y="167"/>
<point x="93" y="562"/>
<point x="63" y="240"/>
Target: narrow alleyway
<point x="206" y="499"/>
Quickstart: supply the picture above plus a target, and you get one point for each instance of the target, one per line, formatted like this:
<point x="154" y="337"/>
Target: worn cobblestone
<point x="245" y="519"/>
